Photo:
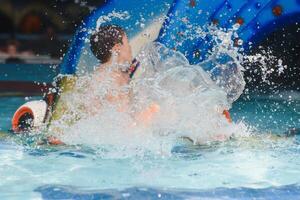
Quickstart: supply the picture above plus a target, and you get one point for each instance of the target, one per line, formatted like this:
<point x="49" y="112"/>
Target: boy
<point x="111" y="47"/>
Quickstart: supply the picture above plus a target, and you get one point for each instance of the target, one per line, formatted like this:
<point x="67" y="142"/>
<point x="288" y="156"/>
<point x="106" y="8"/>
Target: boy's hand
<point x="54" y="141"/>
<point x="147" y="115"/>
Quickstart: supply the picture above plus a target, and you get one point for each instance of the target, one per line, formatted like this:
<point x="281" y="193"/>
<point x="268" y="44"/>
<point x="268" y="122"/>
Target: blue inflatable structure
<point x="257" y="18"/>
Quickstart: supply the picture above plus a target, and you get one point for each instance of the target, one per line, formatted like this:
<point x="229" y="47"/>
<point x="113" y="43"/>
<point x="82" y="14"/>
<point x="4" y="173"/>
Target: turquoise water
<point x="34" y="72"/>
<point x="258" y="166"/>
<point x="274" y="113"/>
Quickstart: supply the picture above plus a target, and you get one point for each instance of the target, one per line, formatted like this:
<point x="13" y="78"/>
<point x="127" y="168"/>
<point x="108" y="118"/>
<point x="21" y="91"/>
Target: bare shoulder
<point x="99" y="74"/>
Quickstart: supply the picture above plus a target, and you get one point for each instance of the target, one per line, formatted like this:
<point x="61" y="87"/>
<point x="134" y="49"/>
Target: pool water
<point x="256" y="167"/>
<point x="34" y="72"/>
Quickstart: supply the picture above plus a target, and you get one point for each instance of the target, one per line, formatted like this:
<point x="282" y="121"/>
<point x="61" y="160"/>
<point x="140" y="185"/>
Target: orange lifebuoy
<point x="29" y="115"/>
<point x="21" y="112"/>
<point x="227" y="115"/>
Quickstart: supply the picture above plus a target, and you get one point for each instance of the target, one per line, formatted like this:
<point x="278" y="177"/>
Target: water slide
<point x="145" y="20"/>
<point x="257" y="18"/>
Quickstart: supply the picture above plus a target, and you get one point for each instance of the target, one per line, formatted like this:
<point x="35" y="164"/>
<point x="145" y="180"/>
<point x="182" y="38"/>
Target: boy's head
<point x="110" y="39"/>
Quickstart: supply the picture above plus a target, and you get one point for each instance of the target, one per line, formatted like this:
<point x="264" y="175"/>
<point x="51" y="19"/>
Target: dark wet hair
<point x="104" y="39"/>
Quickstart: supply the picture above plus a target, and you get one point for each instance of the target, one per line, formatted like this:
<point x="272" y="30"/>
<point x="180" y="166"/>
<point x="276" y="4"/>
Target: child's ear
<point x="116" y="48"/>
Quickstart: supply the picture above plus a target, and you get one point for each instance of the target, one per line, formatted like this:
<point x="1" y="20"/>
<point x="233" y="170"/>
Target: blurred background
<point x="34" y="35"/>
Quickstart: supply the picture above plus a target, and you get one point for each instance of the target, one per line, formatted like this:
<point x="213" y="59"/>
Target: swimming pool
<point x="257" y="167"/>
<point x="21" y="79"/>
<point x="260" y="166"/>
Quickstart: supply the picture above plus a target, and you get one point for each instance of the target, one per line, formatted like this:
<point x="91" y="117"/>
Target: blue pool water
<point x="257" y="167"/>
<point x="34" y="72"/>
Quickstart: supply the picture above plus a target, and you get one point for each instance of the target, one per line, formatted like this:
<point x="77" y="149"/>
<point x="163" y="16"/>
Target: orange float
<point x="19" y="116"/>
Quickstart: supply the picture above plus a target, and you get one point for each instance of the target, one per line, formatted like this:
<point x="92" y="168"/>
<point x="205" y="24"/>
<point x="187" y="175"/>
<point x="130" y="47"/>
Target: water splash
<point x="190" y="105"/>
<point x="190" y="98"/>
<point x="110" y="16"/>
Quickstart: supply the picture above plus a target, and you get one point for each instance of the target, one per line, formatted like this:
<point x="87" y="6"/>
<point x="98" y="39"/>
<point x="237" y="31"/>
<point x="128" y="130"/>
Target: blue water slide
<point x="257" y="18"/>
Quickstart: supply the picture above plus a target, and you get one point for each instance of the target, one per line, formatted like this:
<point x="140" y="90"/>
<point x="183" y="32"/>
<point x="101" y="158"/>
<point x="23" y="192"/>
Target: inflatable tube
<point x="29" y="115"/>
